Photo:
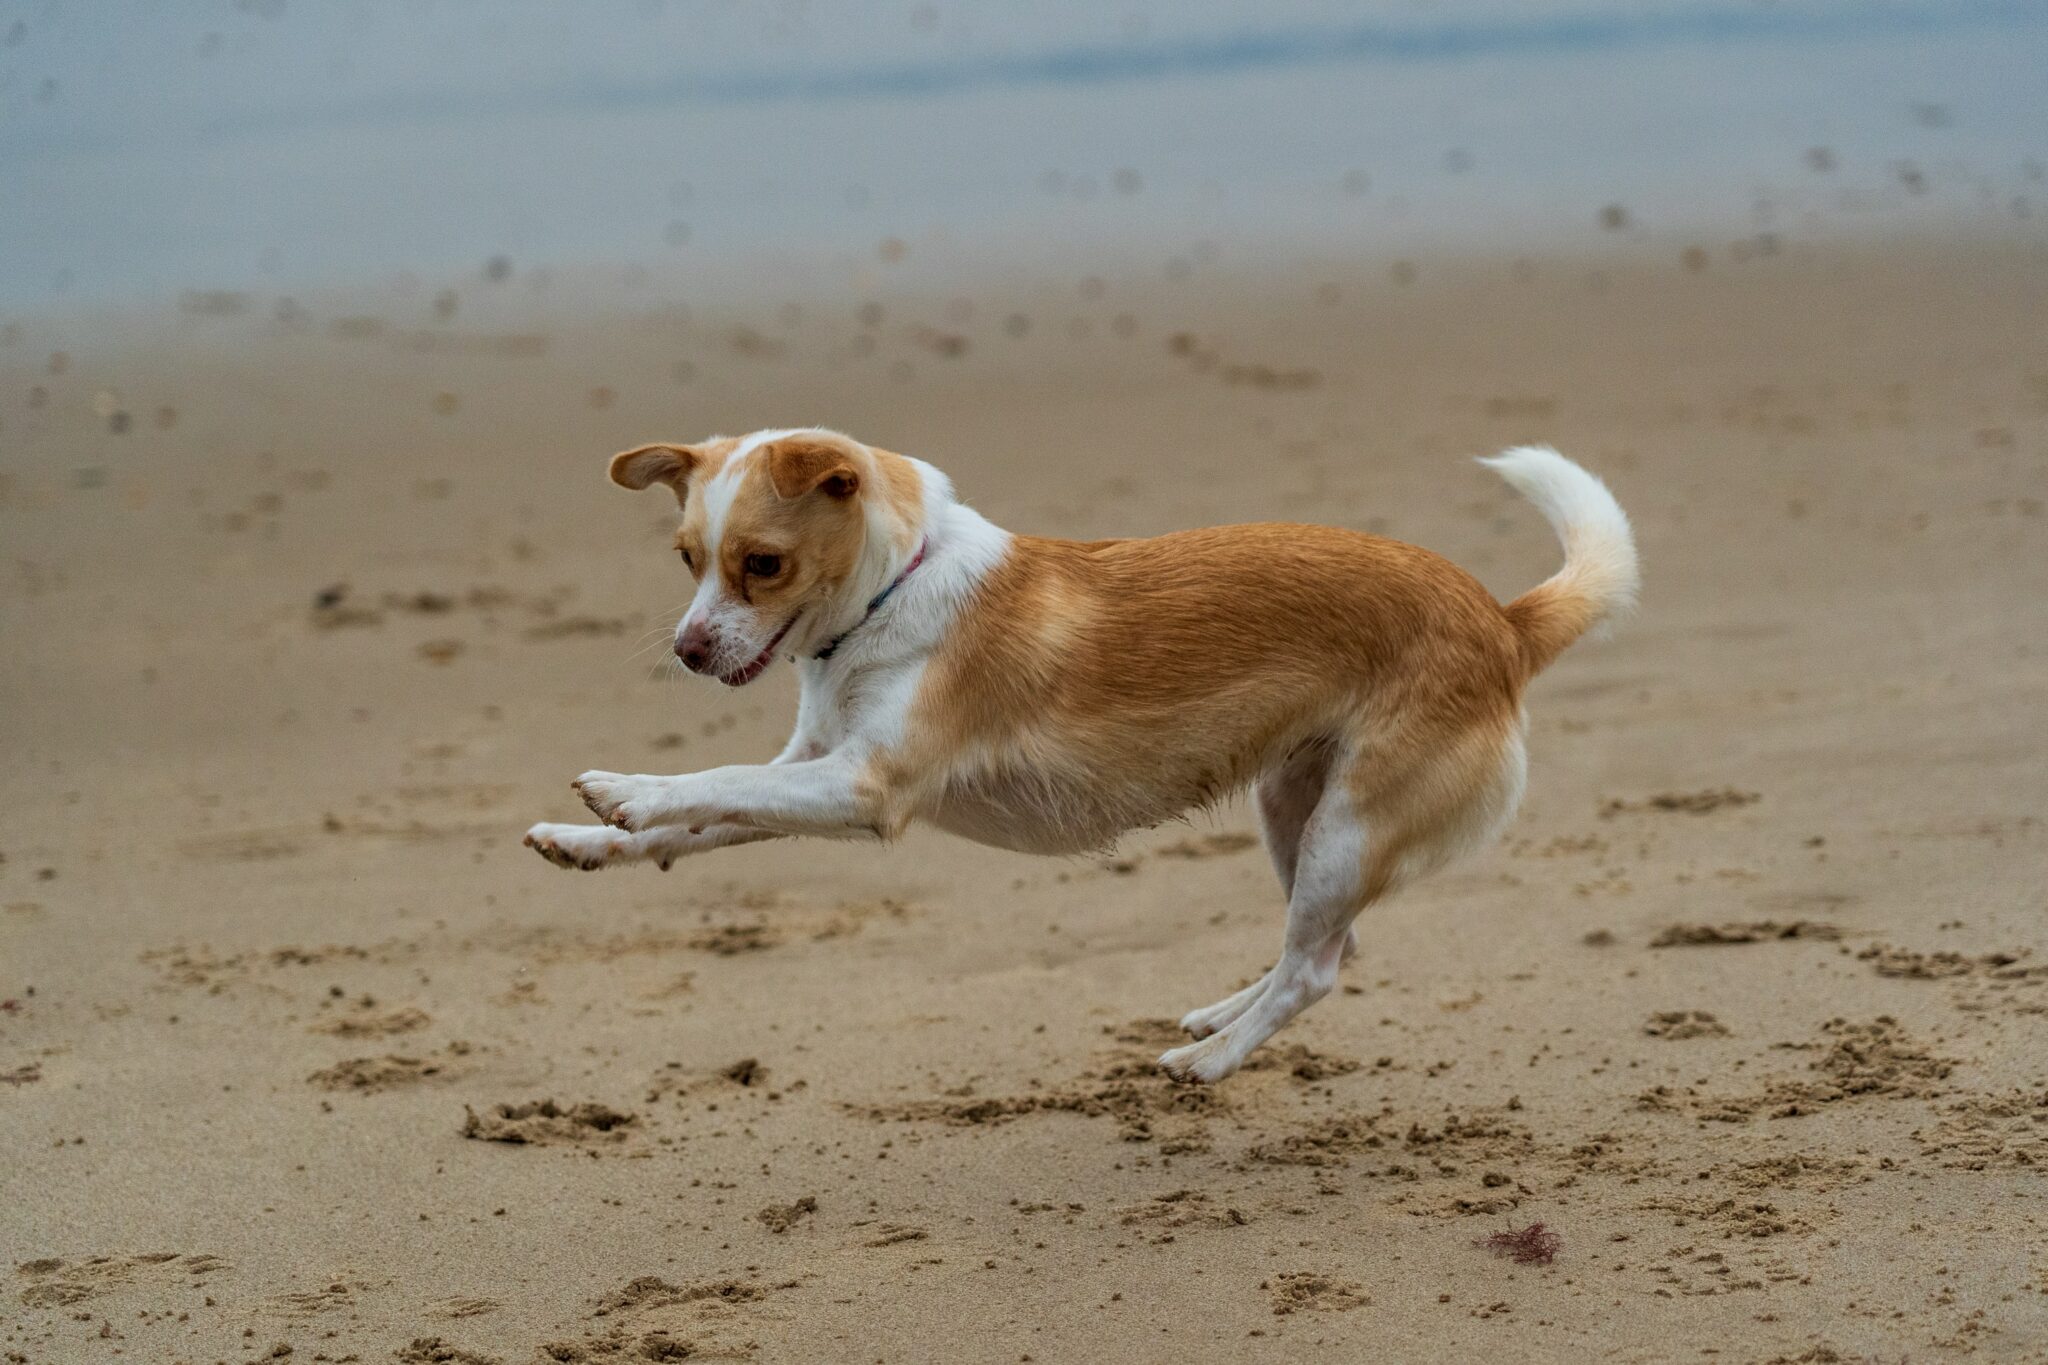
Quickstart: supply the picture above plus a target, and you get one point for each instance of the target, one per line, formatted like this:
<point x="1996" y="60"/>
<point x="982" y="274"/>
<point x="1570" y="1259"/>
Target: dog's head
<point x="785" y="533"/>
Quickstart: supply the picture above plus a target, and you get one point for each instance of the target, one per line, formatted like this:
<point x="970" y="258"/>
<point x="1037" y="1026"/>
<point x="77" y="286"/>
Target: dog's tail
<point x="1599" y="579"/>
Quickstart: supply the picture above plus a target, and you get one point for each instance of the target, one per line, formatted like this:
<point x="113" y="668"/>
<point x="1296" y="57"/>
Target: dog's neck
<point x="875" y="603"/>
<point x="953" y="547"/>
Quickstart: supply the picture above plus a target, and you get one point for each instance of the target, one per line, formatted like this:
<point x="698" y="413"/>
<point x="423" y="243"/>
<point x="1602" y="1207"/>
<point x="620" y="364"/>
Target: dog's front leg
<point x="832" y="797"/>
<point x="590" y="847"/>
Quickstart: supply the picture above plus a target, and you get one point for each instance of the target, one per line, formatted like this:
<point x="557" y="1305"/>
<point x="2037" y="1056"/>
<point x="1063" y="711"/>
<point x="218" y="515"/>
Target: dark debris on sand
<point x="1535" y="1244"/>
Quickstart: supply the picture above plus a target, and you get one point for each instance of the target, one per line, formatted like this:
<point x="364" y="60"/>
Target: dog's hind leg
<point x="1208" y="1019"/>
<point x="1381" y="821"/>
<point x="1329" y="889"/>
<point x="1221" y="1015"/>
<point x="1286" y="797"/>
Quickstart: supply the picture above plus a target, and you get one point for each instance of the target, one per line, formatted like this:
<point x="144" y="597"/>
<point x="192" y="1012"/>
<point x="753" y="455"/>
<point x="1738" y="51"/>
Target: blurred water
<point x="147" y="149"/>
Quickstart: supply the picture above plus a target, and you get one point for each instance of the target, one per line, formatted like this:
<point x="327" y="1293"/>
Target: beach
<point x="311" y="610"/>
<point x="318" y="325"/>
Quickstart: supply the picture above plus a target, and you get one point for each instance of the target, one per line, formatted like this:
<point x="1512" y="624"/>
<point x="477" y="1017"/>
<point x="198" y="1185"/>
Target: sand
<point x="309" y="611"/>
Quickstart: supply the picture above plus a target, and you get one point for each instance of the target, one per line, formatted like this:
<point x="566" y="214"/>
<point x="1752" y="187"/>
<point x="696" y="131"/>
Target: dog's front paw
<point x="629" y="802"/>
<point x="584" y="847"/>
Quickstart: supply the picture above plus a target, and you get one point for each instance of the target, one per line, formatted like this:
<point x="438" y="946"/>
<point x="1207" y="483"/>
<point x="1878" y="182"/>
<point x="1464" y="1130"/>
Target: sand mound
<point x="544" y="1123"/>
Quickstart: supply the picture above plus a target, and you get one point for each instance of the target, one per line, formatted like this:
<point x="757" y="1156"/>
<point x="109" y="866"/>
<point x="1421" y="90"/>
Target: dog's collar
<point x="874" y="604"/>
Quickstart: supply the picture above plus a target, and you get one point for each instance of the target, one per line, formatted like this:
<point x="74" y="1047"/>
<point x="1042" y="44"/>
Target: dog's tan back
<point x="1116" y="684"/>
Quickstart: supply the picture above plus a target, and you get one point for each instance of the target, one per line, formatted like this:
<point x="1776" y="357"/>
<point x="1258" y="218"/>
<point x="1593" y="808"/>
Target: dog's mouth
<point x="741" y="677"/>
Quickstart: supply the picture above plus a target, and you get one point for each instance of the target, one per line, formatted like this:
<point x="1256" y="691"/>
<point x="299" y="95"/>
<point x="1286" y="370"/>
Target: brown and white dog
<point x="1050" y="695"/>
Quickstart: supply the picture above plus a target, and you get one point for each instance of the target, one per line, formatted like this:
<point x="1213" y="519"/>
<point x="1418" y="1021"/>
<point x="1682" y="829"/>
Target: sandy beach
<point x="318" y="324"/>
<point x="311" y="609"/>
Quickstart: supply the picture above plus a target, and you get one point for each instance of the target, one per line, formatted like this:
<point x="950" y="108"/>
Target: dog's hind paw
<point x="1203" y="1063"/>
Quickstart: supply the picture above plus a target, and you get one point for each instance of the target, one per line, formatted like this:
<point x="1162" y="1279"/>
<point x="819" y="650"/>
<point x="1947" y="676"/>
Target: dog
<point x="1048" y="696"/>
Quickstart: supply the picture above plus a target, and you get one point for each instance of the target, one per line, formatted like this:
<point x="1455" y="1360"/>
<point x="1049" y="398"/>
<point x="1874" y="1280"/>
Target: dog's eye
<point x="764" y="566"/>
<point x="689" y="560"/>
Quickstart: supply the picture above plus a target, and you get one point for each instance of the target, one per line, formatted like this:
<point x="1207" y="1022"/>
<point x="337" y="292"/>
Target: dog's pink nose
<point x="693" y="646"/>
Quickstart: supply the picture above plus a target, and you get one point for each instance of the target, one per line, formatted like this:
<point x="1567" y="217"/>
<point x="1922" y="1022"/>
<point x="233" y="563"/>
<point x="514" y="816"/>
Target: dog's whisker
<point x="649" y="638"/>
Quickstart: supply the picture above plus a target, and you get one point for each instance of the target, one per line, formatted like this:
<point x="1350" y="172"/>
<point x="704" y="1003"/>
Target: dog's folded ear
<point x="796" y="467"/>
<point x="645" y="466"/>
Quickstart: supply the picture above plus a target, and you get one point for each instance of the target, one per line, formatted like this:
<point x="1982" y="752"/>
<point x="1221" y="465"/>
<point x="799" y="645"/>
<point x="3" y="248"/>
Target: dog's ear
<point x="797" y="467"/>
<point x="645" y="466"/>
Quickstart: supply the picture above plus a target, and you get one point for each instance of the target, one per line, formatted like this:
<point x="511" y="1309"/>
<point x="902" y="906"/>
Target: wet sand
<point x="310" y="612"/>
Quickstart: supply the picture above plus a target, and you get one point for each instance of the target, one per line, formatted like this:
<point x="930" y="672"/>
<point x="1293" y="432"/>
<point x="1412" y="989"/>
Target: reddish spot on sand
<point x="1532" y="1245"/>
